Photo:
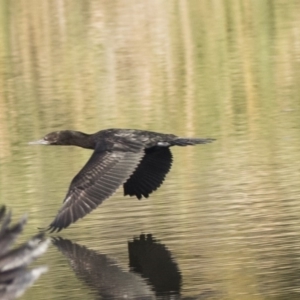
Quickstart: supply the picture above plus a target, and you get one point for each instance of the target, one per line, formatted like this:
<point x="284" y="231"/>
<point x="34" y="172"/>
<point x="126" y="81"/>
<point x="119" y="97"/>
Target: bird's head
<point x="64" y="137"/>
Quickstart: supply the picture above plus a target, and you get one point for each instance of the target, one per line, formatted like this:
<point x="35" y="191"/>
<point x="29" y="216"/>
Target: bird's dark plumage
<point x="137" y="159"/>
<point x="150" y="173"/>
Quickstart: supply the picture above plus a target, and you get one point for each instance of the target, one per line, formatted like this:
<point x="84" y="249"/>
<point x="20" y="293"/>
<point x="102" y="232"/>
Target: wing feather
<point x="99" y="178"/>
<point x="150" y="173"/>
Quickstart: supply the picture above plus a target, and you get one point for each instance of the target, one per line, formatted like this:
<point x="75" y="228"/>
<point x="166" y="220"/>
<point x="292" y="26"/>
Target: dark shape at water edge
<point x="15" y="277"/>
<point x="153" y="260"/>
<point x="139" y="160"/>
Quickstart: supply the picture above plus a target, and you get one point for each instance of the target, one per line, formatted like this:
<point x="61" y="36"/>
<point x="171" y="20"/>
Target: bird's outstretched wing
<point x="150" y="173"/>
<point x="109" y="167"/>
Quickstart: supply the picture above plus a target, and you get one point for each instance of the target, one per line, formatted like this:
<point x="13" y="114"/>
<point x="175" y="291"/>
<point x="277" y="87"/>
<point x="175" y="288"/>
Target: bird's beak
<point x="39" y="142"/>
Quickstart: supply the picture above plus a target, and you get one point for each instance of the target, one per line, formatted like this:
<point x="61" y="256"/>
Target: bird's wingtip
<point x="55" y="228"/>
<point x="50" y="229"/>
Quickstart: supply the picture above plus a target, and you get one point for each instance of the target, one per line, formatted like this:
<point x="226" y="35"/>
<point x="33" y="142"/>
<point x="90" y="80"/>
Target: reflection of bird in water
<point x="137" y="159"/>
<point x="102" y="274"/>
<point x="153" y="272"/>
<point x="154" y="262"/>
<point x="14" y="275"/>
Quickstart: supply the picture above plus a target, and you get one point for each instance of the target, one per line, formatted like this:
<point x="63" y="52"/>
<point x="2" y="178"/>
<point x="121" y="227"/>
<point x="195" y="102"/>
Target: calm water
<point x="226" y="222"/>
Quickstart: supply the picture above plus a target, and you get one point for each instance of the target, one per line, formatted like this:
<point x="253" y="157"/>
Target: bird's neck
<point x="83" y="140"/>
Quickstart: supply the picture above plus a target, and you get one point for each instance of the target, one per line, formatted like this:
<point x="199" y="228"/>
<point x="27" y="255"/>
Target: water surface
<point x="228" y="214"/>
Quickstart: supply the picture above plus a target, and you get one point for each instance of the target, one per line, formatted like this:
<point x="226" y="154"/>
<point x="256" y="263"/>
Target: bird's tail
<point x="190" y="141"/>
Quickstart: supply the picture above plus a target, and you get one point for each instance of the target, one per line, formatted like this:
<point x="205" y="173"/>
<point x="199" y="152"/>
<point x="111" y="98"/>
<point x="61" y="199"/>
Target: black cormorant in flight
<point x="137" y="159"/>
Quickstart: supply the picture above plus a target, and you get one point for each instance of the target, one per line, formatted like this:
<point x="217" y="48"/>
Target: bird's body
<point x="137" y="159"/>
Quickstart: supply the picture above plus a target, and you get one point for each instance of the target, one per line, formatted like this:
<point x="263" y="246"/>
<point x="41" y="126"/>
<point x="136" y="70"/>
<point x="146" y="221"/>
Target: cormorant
<point x="137" y="159"/>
